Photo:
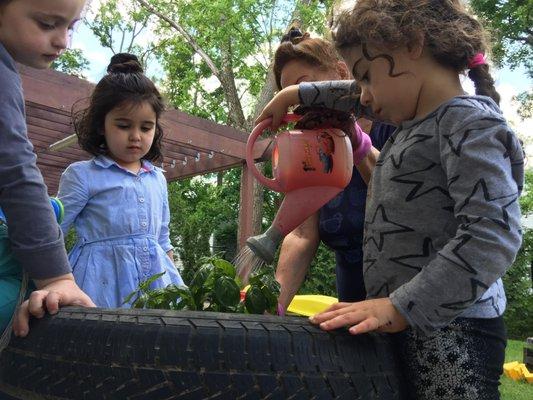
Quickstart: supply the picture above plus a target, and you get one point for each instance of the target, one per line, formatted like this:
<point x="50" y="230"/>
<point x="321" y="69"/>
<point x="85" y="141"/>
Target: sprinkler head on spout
<point x="265" y="245"/>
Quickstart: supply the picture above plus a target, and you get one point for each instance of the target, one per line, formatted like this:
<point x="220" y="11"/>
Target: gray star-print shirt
<point x="442" y="218"/>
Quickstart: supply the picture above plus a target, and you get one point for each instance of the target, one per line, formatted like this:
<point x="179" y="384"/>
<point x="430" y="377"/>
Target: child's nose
<point x="366" y="97"/>
<point x="135" y="135"/>
<point x="61" y="38"/>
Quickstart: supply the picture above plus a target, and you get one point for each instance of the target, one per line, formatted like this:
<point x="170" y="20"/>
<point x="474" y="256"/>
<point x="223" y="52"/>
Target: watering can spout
<point x="264" y="245"/>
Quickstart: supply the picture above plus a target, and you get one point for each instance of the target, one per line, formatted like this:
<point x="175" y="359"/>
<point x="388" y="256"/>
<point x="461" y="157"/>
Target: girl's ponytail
<point x="484" y="82"/>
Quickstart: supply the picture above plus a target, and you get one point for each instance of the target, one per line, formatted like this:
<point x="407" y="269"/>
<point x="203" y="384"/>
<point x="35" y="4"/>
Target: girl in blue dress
<point x="118" y="200"/>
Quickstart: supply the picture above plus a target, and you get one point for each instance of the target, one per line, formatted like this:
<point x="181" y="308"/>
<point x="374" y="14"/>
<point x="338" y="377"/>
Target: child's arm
<point x="483" y="161"/>
<point x="164" y="234"/>
<point x="335" y="95"/>
<point x="73" y="193"/>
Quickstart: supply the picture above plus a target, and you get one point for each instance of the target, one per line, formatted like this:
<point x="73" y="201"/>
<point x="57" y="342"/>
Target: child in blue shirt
<point x="118" y="200"/>
<point x="33" y="33"/>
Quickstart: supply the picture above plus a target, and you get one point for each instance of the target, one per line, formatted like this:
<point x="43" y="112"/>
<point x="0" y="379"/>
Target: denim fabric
<point x="121" y="220"/>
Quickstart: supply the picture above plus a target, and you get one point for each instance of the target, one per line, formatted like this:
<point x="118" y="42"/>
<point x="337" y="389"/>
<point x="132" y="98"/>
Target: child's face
<point x="393" y="98"/>
<point x="36" y="32"/>
<point x="129" y="133"/>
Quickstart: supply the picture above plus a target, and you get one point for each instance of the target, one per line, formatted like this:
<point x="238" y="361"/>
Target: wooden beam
<point x="246" y="214"/>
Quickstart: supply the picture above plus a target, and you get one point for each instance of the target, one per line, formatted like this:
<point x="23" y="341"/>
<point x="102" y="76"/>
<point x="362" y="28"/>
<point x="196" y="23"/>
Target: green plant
<point x="214" y="287"/>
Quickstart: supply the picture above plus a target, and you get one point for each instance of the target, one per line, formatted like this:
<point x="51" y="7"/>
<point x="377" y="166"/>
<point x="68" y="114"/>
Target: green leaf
<point x="225" y="267"/>
<point x="226" y="291"/>
<point x="255" y="301"/>
<point x="146" y="284"/>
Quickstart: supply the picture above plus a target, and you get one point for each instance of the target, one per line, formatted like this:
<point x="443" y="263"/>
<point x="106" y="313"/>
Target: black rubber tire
<point x="155" y="354"/>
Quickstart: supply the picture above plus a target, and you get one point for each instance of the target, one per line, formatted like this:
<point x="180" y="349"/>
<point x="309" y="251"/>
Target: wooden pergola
<point x="191" y="146"/>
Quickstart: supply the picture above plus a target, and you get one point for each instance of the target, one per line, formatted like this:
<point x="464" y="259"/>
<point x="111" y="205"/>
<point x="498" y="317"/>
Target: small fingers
<point x="342" y="320"/>
<point x="21" y="325"/>
<point x="36" y="303"/>
<point x="368" y="325"/>
<point x="52" y="302"/>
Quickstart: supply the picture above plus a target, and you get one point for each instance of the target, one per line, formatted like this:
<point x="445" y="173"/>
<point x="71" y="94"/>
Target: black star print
<point x="493" y="302"/>
<point x="397" y="161"/>
<point x="456" y="140"/>
<point x="383" y="222"/>
<point x="368" y="263"/>
<point x="458" y="260"/>
<point x="419" y="183"/>
<point x="507" y="201"/>
<point x="461" y="305"/>
<point x="426" y="246"/>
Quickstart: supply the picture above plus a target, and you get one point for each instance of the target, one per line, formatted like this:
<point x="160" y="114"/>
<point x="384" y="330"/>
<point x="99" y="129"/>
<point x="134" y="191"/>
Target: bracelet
<point x="364" y="145"/>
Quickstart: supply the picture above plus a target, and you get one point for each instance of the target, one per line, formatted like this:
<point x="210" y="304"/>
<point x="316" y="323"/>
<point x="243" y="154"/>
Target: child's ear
<point x="416" y="47"/>
<point x="342" y="70"/>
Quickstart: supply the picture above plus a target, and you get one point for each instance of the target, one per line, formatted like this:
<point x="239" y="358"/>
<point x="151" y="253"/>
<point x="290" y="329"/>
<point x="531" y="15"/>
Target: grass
<point x="509" y="389"/>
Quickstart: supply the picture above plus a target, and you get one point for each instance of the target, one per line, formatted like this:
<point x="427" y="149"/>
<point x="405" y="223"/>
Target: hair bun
<point x="294" y="35"/>
<point x="124" y="63"/>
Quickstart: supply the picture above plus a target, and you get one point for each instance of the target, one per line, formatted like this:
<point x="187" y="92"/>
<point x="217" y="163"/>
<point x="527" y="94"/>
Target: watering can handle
<point x="257" y="131"/>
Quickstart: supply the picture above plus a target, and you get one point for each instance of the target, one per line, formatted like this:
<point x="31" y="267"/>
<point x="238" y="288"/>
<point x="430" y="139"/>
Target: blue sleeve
<point x="164" y="235"/>
<point x="34" y="234"/>
<point x="73" y="193"/>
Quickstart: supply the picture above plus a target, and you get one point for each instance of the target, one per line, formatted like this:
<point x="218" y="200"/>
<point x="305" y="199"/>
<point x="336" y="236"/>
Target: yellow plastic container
<point x="517" y="371"/>
<point x="310" y="304"/>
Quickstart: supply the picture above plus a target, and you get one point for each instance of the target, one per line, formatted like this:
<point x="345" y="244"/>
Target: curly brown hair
<point x="452" y="35"/>
<point x="125" y="84"/>
<point x="297" y="46"/>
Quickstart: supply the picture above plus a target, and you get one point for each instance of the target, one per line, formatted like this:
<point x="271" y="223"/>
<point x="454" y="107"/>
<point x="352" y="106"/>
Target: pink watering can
<point x="311" y="166"/>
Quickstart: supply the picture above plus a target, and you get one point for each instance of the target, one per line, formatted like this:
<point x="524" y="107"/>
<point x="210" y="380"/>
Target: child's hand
<point x="279" y="105"/>
<point x="362" y="317"/>
<point x="53" y="293"/>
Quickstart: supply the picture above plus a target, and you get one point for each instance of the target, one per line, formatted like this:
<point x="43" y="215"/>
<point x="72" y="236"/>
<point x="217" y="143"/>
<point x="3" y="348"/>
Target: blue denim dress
<point x="121" y="221"/>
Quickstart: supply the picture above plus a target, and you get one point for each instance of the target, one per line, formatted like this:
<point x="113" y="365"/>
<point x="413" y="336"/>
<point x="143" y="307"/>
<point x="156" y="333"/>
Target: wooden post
<point x="246" y="207"/>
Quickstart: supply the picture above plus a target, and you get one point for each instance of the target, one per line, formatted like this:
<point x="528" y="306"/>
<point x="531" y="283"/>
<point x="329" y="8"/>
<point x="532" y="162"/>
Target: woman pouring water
<point x="339" y="223"/>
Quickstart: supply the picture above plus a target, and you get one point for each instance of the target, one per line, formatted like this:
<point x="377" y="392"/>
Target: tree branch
<point x="186" y="35"/>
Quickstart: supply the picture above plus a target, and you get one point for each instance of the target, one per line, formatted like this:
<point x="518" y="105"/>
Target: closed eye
<point x="46" y="26"/>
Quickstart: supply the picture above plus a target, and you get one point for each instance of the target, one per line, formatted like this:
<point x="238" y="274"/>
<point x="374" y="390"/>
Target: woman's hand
<point x="361" y="317"/>
<point x="52" y="294"/>
<point x="279" y="105"/>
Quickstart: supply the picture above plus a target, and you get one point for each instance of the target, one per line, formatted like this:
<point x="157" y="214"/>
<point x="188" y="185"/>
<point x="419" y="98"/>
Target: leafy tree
<point x="518" y="281"/>
<point x="72" y="62"/>
<point x="511" y="25"/>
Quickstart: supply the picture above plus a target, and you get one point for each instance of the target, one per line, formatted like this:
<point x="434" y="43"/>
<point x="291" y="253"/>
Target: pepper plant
<point x="214" y="287"/>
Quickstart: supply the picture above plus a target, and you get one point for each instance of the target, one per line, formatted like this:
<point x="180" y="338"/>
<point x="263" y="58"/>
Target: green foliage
<point x="321" y="276"/>
<point x="197" y="208"/>
<point x="525" y="99"/>
<point x="117" y="25"/>
<point x="518" y="280"/>
<point x="213" y="287"/>
<point x="71" y="62"/>
<point x="237" y="35"/>
<point x="510" y="23"/>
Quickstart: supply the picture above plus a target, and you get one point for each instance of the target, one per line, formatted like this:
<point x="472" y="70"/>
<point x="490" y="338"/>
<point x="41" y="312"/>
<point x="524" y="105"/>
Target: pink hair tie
<point x="477" y="60"/>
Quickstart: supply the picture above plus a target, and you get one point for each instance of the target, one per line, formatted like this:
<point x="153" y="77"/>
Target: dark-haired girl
<point x="442" y="222"/>
<point x="118" y="200"/>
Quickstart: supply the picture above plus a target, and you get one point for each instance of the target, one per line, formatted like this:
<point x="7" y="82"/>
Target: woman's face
<point x="297" y="71"/>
